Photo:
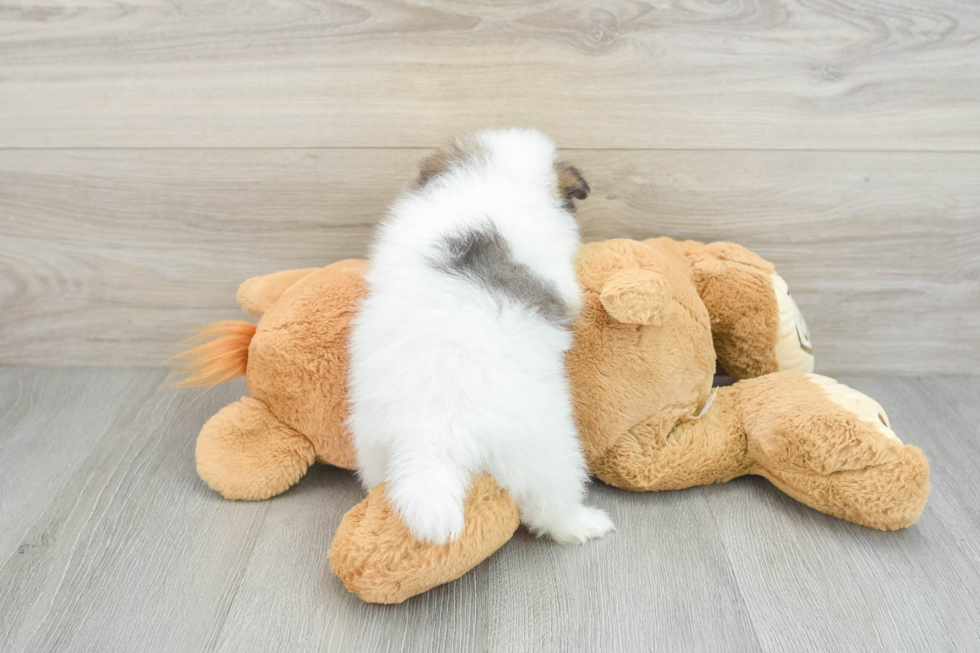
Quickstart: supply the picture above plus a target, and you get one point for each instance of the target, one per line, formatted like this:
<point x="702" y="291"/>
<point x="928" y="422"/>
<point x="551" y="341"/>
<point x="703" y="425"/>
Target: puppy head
<point x="570" y="184"/>
<point x="523" y="155"/>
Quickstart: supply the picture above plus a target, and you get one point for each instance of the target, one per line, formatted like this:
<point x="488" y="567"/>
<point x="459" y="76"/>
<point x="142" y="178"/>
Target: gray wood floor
<point x="110" y="542"/>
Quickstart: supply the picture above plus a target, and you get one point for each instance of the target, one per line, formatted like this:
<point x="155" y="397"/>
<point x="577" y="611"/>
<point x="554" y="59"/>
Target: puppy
<point x="457" y="353"/>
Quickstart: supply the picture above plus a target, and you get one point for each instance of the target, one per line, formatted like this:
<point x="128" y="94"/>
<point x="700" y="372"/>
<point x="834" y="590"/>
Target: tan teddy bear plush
<point x="657" y="315"/>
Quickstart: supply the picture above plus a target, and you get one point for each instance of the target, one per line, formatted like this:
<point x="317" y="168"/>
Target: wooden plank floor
<point x="110" y="542"/>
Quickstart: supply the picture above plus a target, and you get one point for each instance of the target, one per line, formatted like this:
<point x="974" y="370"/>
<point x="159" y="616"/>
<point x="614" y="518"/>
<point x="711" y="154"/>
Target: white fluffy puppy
<point x="457" y="354"/>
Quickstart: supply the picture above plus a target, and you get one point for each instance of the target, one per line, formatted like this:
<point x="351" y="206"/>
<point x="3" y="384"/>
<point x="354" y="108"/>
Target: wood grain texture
<point x="103" y="563"/>
<point x="775" y="74"/>
<point x="49" y="421"/>
<point x="130" y="551"/>
<point x="111" y="257"/>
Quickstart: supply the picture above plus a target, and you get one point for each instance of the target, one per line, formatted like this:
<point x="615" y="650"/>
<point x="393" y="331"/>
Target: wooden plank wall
<point x="153" y="155"/>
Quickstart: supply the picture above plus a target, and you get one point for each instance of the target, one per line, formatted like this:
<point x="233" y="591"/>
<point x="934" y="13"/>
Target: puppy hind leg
<point x="427" y="492"/>
<point x="546" y="511"/>
<point x="550" y="488"/>
<point x="372" y="463"/>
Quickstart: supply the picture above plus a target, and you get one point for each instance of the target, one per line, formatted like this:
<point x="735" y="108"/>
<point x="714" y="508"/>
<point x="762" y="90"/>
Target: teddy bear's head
<point x="643" y="340"/>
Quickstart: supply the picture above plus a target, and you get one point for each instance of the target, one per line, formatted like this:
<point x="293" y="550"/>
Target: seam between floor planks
<point x="731" y="566"/>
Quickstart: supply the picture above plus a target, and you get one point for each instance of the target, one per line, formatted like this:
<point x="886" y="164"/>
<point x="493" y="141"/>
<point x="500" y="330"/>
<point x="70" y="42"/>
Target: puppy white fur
<point x="457" y="354"/>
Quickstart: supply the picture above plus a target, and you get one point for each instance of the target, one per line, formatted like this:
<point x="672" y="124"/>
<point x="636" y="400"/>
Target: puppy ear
<point x="571" y="183"/>
<point x="455" y="151"/>
<point x="636" y="297"/>
<point x="439" y="162"/>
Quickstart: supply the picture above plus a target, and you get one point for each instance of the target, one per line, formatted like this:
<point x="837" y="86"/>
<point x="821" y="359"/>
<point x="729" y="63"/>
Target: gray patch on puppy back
<point x="482" y="256"/>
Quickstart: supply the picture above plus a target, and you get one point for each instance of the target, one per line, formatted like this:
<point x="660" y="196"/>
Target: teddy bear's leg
<point x="832" y="448"/>
<point x="246" y="453"/>
<point x="697" y="451"/>
<point x="257" y="294"/>
<point x="378" y="559"/>
<point x="756" y="326"/>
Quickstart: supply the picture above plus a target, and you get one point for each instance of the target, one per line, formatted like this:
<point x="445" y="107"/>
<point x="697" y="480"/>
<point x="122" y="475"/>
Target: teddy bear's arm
<point x="832" y="448"/>
<point x="257" y="294"/>
<point x="823" y="443"/>
<point x="708" y="449"/>
<point x="755" y="324"/>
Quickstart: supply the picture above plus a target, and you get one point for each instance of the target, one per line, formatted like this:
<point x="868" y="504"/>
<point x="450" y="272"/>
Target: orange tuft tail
<point x="222" y="358"/>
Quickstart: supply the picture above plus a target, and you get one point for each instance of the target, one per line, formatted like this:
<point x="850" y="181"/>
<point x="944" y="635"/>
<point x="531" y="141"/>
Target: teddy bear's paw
<point x="793" y="349"/>
<point x="866" y="408"/>
<point x="585" y="524"/>
<point x="247" y="453"/>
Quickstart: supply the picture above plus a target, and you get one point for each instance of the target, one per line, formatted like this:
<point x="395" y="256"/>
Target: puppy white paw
<point x="432" y="518"/>
<point x="585" y="524"/>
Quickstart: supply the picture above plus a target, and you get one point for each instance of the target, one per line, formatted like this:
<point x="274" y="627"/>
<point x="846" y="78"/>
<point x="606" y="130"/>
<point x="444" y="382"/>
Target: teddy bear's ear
<point x="636" y="297"/>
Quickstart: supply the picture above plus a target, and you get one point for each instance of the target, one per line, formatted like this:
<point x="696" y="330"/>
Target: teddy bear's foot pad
<point x="860" y="404"/>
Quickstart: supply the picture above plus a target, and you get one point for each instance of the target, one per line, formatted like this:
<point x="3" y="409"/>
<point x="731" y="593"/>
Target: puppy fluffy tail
<point x="221" y="356"/>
